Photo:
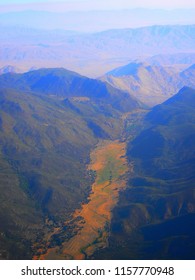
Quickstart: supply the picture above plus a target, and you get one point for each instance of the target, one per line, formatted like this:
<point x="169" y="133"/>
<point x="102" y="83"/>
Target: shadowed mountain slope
<point x="155" y="216"/>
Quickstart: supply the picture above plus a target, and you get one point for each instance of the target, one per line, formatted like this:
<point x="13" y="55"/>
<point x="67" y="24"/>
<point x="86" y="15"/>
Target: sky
<point x="67" y="5"/>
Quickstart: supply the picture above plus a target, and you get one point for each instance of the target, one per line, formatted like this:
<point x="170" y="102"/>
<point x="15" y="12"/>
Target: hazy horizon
<point x="96" y="21"/>
<point x="86" y="5"/>
<point x="34" y="34"/>
<point x="95" y="16"/>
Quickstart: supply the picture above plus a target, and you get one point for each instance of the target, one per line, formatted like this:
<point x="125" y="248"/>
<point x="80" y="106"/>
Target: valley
<point x="97" y="163"/>
<point x="91" y="172"/>
<point x="57" y="127"/>
<point x="108" y="162"/>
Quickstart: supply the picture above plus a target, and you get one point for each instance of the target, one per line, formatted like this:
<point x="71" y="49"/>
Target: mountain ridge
<point x="63" y="83"/>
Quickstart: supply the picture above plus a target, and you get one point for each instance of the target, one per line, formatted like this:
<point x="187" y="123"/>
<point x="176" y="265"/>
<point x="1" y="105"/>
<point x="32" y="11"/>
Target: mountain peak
<point x="59" y="71"/>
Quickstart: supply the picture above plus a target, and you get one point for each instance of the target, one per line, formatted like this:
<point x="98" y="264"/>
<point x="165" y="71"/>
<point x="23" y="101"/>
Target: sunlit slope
<point x="152" y="84"/>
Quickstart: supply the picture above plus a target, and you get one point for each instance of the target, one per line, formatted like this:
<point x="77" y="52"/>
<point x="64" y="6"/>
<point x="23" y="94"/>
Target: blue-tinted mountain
<point x="63" y="83"/>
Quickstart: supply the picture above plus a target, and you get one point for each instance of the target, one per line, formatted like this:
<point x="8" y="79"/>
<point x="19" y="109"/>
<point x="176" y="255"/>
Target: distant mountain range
<point x="98" y="20"/>
<point x="92" y="54"/>
<point x="151" y="84"/>
<point x="178" y="59"/>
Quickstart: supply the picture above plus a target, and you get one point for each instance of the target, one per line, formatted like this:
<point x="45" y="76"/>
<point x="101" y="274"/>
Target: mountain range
<point x="91" y="54"/>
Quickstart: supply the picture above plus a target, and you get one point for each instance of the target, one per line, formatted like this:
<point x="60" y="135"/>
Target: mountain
<point x="155" y="216"/>
<point x="91" y="54"/>
<point x="50" y="119"/>
<point x="174" y="115"/>
<point x="63" y="83"/>
<point x="151" y="84"/>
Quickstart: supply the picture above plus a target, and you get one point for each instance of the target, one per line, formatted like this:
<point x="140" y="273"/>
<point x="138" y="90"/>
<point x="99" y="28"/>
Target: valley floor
<point x="92" y="221"/>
